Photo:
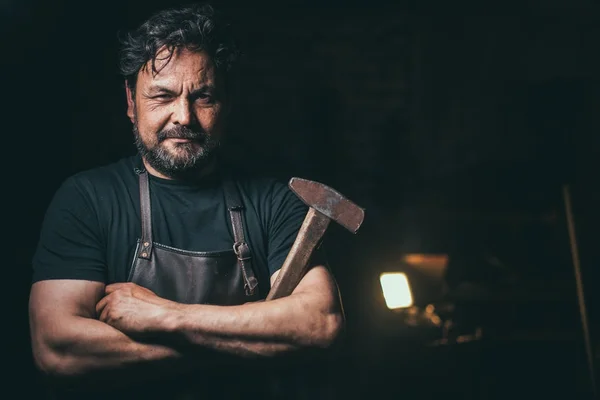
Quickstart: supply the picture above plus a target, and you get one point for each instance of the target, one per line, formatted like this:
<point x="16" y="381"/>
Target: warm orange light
<point x="416" y="258"/>
<point x="432" y="265"/>
<point x="396" y="290"/>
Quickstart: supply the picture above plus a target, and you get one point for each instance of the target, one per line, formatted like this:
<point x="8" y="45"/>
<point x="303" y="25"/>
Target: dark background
<point x="455" y="124"/>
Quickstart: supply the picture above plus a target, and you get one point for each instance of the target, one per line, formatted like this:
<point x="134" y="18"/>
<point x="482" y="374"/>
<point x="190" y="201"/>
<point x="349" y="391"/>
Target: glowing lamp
<point x="396" y="290"/>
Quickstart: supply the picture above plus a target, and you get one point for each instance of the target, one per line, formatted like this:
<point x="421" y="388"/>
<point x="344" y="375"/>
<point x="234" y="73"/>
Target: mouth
<point x="180" y="140"/>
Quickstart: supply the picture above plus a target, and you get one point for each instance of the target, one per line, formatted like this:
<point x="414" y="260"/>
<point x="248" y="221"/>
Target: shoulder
<point x="262" y="189"/>
<point x="95" y="181"/>
<point x="90" y="188"/>
<point x="270" y="198"/>
<point x="107" y="174"/>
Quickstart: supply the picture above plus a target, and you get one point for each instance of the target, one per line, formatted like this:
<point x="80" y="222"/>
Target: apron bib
<point x="194" y="277"/>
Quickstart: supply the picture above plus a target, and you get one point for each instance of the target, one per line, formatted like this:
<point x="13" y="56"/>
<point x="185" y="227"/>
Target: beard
<point x="188" y="158"/>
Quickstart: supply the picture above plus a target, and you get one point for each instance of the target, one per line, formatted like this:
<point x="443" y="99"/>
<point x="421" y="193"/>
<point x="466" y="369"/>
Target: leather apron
<point x="194" y="277"/>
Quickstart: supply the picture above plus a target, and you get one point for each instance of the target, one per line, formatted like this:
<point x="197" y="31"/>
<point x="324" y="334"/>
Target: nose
<point x="182" y="113"/>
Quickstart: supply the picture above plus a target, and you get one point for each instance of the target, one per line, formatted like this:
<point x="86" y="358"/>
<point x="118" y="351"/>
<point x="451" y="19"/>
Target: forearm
<point x="81" y="348"/>
<point x="300" y="321"/>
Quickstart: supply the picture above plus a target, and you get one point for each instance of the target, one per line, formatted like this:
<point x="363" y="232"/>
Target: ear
<point x="130" y="103"/>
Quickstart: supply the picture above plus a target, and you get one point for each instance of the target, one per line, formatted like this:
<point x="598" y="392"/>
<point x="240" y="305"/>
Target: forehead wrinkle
<point x="181" y="81"/>
<point x="194" y="72"/>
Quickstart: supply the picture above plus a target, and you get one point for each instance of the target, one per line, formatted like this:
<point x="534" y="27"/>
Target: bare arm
<point x="310" y="318"/>
<point x="69" y="342"/>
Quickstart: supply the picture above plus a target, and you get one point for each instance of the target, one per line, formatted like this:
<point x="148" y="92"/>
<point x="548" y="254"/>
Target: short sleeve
<point x="70" y="245"/>
<point x="287" y="214"/>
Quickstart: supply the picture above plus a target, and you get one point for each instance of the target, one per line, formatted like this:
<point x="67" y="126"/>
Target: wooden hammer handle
<point x="294" y="266"/>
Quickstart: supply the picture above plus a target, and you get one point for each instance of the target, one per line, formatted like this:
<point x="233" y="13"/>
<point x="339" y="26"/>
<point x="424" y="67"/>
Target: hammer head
<point x="328" y="202"/>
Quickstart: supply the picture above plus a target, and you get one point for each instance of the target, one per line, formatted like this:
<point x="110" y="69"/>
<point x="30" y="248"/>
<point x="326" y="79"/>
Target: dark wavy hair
<point x="195" y="27"/>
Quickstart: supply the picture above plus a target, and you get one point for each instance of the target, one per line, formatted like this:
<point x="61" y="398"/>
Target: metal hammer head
<point x="328" y="202"/>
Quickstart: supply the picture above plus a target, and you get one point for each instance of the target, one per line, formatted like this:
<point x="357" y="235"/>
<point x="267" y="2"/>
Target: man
<point x="149" y="272"/>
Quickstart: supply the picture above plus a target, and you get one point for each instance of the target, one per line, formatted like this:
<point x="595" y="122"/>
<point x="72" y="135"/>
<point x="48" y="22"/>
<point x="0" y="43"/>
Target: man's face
<point x="177" y="112"/>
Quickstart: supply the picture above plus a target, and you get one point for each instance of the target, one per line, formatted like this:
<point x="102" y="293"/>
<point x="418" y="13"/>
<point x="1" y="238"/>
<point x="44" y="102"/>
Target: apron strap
<point x="240" y="247"/>
<point x="145" y="250"/>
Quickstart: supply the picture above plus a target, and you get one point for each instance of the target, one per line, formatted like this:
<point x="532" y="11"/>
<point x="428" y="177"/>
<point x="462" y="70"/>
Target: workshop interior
<point x="468" y="131"/>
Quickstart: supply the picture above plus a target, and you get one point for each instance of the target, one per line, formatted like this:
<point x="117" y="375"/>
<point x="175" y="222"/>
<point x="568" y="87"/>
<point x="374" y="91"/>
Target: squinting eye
<point x="204" y="98"/>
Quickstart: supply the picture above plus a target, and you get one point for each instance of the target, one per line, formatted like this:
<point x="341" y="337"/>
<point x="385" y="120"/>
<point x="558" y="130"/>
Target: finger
<point x="114" y="287"/>
<point x="146" y="290"/>
<point x="104" y="307"/>
<point x="104" y="315"/>
<point x="101" y="304"/>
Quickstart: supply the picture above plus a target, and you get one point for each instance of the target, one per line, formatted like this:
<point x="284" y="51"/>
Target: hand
<point x="132" y="309"/>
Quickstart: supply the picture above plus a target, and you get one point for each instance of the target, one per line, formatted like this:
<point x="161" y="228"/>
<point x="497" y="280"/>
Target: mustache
<point x="181" y="132"/>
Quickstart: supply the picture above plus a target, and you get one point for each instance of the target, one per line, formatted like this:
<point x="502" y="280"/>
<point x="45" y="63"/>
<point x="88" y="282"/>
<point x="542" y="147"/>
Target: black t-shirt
<point x="93" y="222"/>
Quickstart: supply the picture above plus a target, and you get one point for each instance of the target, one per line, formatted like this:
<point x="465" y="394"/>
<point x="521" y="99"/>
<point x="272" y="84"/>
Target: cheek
<point x="150" y="123"/>
<point x="210" y="118"/>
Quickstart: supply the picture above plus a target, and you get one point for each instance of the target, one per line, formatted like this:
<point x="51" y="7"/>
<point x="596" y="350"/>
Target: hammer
<point x="325" y="204"/>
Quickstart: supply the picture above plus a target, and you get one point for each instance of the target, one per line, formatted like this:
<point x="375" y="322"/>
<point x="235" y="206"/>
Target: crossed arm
<point x="79" y="328"/>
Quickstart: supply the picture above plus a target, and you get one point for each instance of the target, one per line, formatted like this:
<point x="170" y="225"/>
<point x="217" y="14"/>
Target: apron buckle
<point x="250" y="286"/>
<point x="242" y="251"/>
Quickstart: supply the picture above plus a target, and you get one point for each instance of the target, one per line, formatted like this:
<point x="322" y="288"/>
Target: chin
<point x="189" y="159"/>
<point x="184" y="152"/>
